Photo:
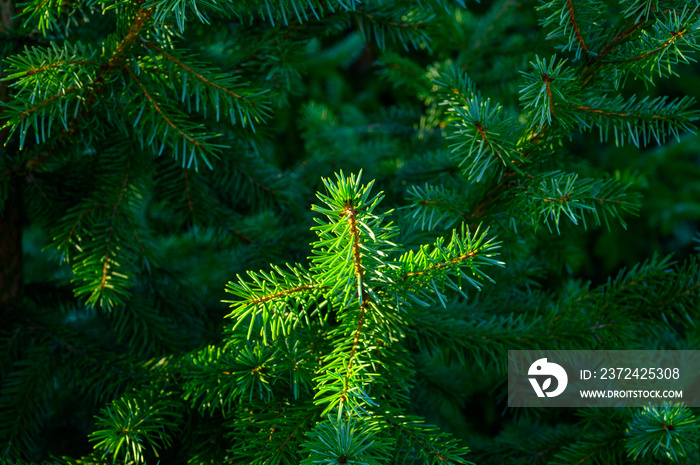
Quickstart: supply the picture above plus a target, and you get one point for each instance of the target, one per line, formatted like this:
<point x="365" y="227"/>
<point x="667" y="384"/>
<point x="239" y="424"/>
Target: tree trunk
<point x="11" y="246"/>
<point x="11" y="213"/>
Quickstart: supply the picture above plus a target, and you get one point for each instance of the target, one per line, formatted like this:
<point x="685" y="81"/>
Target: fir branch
<point x="353" y="247"/>
<point x="36" y="108"/>
<point x="356" y="254"/>
<point x="157" y="108"/>
<point x="59" y="64"/>
<point x="32" y="71"/>
<point x="141" y="19"/>
<point x="675" y="35"/>
<point x="44" y="13"/>
<point x="437" y="206"/>
<point x="404" y="27"/>
<point x="638" y="121"/>
<point x="482" y="339"/>
<point x="595" y="63"/>
<point x="264" y="299"/>
<point x="482" y="129"/>
<point x="279" y="432"/>
<point x="105" y="265"/>
<point x="664" y="431"/>
<point x="353" y="353"/>
<point x="654" y="289"/>
<point x="219" y="95"/>
<point x="364" y="303"/>
<point x="426" y="273"/>
<point x="345" y="440"/>
<point x="673" y="39"/>
<point x="574" y="25"/>
<point x="419" y="441"/>
<point x="113" y="63"/>
<point x="189" y="70"/>
<point x="54" y="90"/>
<point x="572" y="20"/>
<point x="440" y="266"/>
<point x="191" y="147"/>
<point x="274" y="301"/>
<point x="557" y="193"/>
<point x="641" y="8"/>
<point x="549" y="88"/>
<point x="133" y="423"/>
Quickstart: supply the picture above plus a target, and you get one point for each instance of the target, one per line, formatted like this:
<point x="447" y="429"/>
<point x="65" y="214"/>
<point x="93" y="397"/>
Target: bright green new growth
<point x="369" y="285"/>
<point x="353" y="250"/>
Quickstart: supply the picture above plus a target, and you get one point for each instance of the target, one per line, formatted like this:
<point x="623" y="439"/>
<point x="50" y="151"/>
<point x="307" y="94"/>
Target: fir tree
<point x="463" y="157"/>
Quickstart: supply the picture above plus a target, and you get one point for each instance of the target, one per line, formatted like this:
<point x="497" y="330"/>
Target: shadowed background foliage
<point x="156" y="150"/>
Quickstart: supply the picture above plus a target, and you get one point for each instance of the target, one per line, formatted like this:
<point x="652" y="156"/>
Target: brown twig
<point x="282" y="293"/>
<point x="574" y="24"/>
<point x="351" y="213"/>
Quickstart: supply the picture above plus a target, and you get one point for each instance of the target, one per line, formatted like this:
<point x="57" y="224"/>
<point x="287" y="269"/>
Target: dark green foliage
<point x="669" y="431"/>
<point x="364" y="185"/>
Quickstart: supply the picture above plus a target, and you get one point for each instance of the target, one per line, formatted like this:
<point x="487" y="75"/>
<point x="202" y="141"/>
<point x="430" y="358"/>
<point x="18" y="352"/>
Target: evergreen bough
<point x="155" y="149"/>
